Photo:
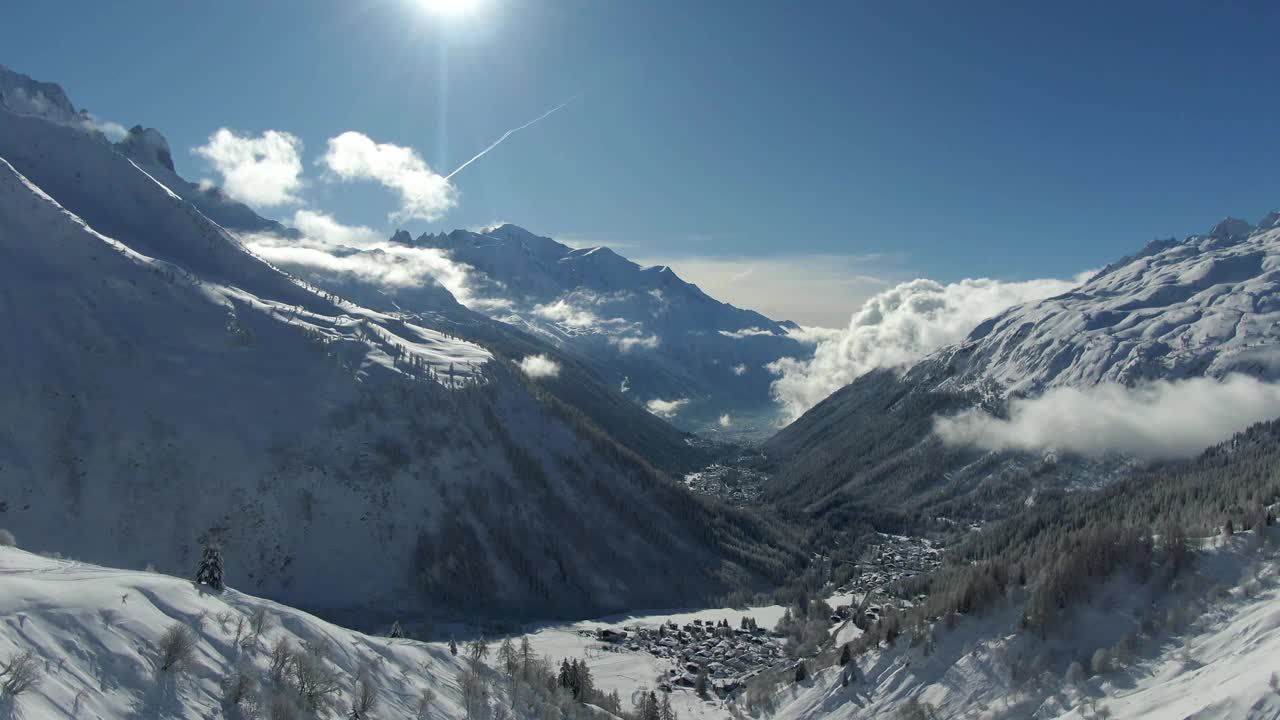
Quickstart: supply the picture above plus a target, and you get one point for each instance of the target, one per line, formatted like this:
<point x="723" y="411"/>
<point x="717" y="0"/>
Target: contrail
<point x="508" y="134"/>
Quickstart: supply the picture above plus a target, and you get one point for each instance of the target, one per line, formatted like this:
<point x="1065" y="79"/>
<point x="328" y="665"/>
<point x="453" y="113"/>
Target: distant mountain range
<point x="1204" y="307"/>
<point x="168" y="388"/>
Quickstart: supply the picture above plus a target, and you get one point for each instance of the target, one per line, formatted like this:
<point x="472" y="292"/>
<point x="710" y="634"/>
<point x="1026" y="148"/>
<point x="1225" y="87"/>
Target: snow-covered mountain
<point x="1206" y="306"/>
<point x="641" y="328"/>
<point x="1216" y="665"/>
<point x="97" y="635"/>
<point x="165" y="388"/>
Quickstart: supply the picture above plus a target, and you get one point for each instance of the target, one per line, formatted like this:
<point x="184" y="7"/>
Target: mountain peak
<point x="146" y="146"/>
<point x="1229" y="228"/>
<point x="24" y="96"/>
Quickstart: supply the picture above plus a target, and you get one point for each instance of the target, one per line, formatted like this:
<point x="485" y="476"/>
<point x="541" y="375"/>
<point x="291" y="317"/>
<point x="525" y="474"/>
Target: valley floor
<point x="96" y="634"/>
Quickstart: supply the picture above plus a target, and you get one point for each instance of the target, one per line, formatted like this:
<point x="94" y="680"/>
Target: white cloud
<point x="666" y="408"/>
<point x="898" y="327"/>
<point x="812" y="335"/>
<point x="566" y="314"/>
<point x="726" y="421"/>
<point x="330" y="246"/>
<point x="1161" y="420"/>
<point x="739" y="369"/>
<point x="424" y="193"/>
<point x="745" y="333"/>
<point x="625" y="385"/>
<point x="627" y="344"/>
<point x="539" y="366"/>
<point x="326" y="229"/>
<point x="265" y="171"/>
<point x="114" y="131"/>
<point x="815" y="289"/>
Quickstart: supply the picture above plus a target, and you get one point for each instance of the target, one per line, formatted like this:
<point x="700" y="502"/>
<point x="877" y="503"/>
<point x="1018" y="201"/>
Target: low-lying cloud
<point x="331" y="247"/>
<point x="746" y="333"/>
<point x="265" y="171"/>
<point x="1156" y="421"/>
<point x="641" y="342"/>
<point x="666" y="408"/>
<point x="424" y="193"/>
<point x="539" y="366"/>
<point x="896" y="328"/>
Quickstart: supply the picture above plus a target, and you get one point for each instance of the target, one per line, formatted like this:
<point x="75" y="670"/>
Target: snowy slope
<point x="95" y="632"/>
<point x="1218" y="666"/>
<point x="642" y="328"/>
<point x="164" y="387"/>
<point x="1208" y="305"/>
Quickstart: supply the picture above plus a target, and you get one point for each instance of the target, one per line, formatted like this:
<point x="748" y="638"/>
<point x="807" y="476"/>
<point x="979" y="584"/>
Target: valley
<point x="294" y="427"/>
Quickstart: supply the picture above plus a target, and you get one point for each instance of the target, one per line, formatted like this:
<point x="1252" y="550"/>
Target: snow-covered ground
<point x="165" y="388"/>
<point x="627" y="671"/>
<point x="1215" y="663"/>
<point x="95" y="632"/>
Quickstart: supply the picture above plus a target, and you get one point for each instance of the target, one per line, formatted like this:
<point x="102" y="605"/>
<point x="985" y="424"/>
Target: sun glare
<point x="449" y="8"/>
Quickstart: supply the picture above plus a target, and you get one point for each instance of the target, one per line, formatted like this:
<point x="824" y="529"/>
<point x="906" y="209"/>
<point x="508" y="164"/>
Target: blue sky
<point x="747" y="143"/>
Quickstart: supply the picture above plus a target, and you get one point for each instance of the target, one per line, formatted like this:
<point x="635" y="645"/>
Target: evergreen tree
<point x="453" y="647"/>
<point x="665" y="711"/>
<point x="802" y="672"/>
<point x="526" y="654"/>
<point x="209" y="571"/>
<point x="845" y="655"/>
<point x="508" y="657"/>
<point x="396" y="630"/>
<point x="478" y="649"/>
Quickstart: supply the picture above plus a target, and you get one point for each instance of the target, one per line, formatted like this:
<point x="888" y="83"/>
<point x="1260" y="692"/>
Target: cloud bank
<point x="330" y="246"/>
<point x="666" y="408"/>
<point x="1157" y="421"/>
<point x="811" y="289"/>
<point x="896" y="328"/>
<point x="643" y="342"/>
<point x="424" y="193"/>
<point x="265" y="170"/>
<point x="539" y="366"/>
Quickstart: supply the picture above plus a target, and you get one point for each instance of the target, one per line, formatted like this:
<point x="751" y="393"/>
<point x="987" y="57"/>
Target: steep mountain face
<point x="167" y="388"/>
<point x="1205" y="306"/>
<point x="578" y="383"/>
<point x="641" y="328"/>
<point x="1208" y="305"/>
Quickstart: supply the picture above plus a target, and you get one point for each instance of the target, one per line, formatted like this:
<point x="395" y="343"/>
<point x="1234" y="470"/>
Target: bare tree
<point x="281" y="660"/>
<point x="241" y="687"/>
<point x="424" y="704"/>
<point x="259" y="622"/>
<point x="314" y="677"/>
<point x="364" y="699"/>
<point x="177" y="647"/>
<point x="19" y="675"/>
<point x="283" y="707"/>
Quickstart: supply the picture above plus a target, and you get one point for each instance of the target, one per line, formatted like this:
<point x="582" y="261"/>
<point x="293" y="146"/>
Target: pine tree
<point x="508" y="657"/>
<point x="209" y="571"/>
<point x="666" y="712"/>
<point x="526" y="654"/>
<point x="396" y="631"/>
<point x="453" y="647"/>
<point x="845" y="655"/>
<point x="802" y="672"/>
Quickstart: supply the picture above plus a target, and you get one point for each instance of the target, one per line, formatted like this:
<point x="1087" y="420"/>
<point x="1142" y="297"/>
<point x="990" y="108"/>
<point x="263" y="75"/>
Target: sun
<point x="449" y="8"/>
